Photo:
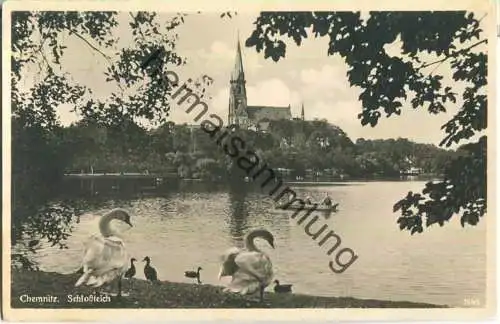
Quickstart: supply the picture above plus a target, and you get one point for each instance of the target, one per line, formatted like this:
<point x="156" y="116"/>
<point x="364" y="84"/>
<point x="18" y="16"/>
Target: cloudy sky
<point x="307" y="75"/>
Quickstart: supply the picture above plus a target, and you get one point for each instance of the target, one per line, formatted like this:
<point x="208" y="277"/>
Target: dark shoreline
<point x="116" y="184"/>
<point x="174" y="295"/>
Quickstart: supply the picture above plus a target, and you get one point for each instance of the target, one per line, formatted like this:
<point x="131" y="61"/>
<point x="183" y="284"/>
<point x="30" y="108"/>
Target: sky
<point x="306" y="75"/>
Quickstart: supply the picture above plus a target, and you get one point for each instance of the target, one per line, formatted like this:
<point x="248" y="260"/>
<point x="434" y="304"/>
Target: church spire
<point x="238" y="65"/>
<point x="302" y="114"/>
<point x="238" y="93"/>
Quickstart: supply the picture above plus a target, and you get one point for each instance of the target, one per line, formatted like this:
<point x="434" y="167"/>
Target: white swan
<point x="105" y="257"/>
<point x="250" y="268"/>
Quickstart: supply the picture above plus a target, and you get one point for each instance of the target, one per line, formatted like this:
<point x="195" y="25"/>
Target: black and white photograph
<point x="229" y="156"/>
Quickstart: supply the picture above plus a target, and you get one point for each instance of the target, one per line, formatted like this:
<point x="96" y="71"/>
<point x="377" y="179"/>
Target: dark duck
<point x="282" y="288"/>
<point x="194" y="274"/>
<point x="150" y="272"/>
<point x="131" y="271"/>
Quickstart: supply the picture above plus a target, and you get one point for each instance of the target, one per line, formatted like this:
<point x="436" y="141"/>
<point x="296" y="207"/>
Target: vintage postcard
<point x="221" y="160"/>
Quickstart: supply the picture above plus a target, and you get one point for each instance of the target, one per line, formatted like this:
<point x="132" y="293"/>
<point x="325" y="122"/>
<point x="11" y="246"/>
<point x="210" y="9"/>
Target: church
<point x="244" y="115"/>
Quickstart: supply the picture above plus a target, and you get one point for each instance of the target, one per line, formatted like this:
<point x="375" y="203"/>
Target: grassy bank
<point x="174" y="295"/>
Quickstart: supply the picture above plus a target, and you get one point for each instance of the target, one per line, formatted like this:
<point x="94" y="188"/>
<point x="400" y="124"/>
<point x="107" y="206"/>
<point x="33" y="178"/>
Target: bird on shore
<point x="105" y="258"/>
<point x="131" y="271"/>
<point x="278" y="288"/>
<point x="150" y="272"/>
<point x="250" y="268"/>
<point x="194" y="274"/>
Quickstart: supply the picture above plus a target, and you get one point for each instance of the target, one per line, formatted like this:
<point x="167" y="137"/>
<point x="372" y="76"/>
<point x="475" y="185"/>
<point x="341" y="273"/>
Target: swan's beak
<point x="272" y="245"/>
<point x="130" y="224"/>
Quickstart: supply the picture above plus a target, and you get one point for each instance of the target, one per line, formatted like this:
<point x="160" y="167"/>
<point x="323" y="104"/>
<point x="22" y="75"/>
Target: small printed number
<point x="472" y="302"/>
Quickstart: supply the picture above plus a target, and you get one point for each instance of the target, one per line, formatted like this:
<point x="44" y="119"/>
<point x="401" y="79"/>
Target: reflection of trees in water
<point x="243" y="202"/>
<point x="238" y="214"/>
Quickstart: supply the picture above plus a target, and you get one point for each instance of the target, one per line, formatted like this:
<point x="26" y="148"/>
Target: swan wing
<point x="228" y="266"/>
<point x="103" y="253"/>
<point x="93" y="248"/>
<point x="253" y="269"/>
<point x="104" y="260"/>
<point x="243" y="283"/>
<point x="256" y="264"/>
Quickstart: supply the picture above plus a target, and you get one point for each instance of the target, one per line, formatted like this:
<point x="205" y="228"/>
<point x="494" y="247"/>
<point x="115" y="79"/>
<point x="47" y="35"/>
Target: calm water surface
<point x="185" y="230"/>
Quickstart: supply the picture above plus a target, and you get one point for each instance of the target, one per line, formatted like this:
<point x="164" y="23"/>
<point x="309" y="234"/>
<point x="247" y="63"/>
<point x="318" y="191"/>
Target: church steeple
<point x="238" y="93"/>
<point x="302" y="114"/>
<point x="238" y="64"/>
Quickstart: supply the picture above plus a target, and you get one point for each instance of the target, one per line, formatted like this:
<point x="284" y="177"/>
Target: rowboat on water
<point x="326" y="208"/>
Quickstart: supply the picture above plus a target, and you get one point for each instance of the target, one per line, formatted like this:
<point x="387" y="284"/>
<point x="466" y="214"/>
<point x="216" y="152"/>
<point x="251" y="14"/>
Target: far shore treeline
<point x="303" y="148"/>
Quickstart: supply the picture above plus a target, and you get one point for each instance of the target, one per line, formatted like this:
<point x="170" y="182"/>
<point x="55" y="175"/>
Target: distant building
<point x="411" y="171"/>
<point x="244" y="115"/>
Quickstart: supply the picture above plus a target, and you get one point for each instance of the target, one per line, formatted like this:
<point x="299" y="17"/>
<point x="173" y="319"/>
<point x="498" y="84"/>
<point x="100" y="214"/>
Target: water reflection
<point x="238" y="215"/>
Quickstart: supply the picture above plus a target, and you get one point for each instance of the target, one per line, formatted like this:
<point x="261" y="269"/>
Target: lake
<point x="185" y="229"/>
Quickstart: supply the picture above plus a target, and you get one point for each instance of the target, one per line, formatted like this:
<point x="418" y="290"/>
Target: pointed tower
<point x="237" y="91"/>
<point x="302" y="113"/>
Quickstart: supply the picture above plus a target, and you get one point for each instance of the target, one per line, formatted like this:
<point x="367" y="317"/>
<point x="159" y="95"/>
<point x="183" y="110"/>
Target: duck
<point x="282" y="288"/>
<point x="131" y="271"/>
<point x="105" y="257"/>
<point x="150" y="272"/>
<point x="250" y="268"/>
<point x="194" y="274"/>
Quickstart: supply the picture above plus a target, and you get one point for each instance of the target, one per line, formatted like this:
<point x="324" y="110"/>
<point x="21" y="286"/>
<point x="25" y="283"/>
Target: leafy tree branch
<point x="454" y="54"/>
<point x="388" y="81"/>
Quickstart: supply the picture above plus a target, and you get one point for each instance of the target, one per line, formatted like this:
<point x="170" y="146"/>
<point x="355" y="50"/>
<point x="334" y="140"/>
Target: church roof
<point x="258" y="113"/>
<point x="238" y="65"/>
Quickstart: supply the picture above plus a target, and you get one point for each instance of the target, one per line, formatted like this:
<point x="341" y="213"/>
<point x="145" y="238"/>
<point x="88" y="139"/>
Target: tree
<point x="388" y="82"/>
<point x="38" y="44"/>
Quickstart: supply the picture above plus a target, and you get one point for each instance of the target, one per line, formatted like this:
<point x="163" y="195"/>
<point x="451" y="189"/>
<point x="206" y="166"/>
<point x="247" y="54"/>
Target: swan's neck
<point x="249" y="242"/>
<point x="104" y="225"/>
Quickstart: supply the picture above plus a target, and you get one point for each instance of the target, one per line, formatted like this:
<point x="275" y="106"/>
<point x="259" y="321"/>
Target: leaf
<point x="397" y="206"/>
